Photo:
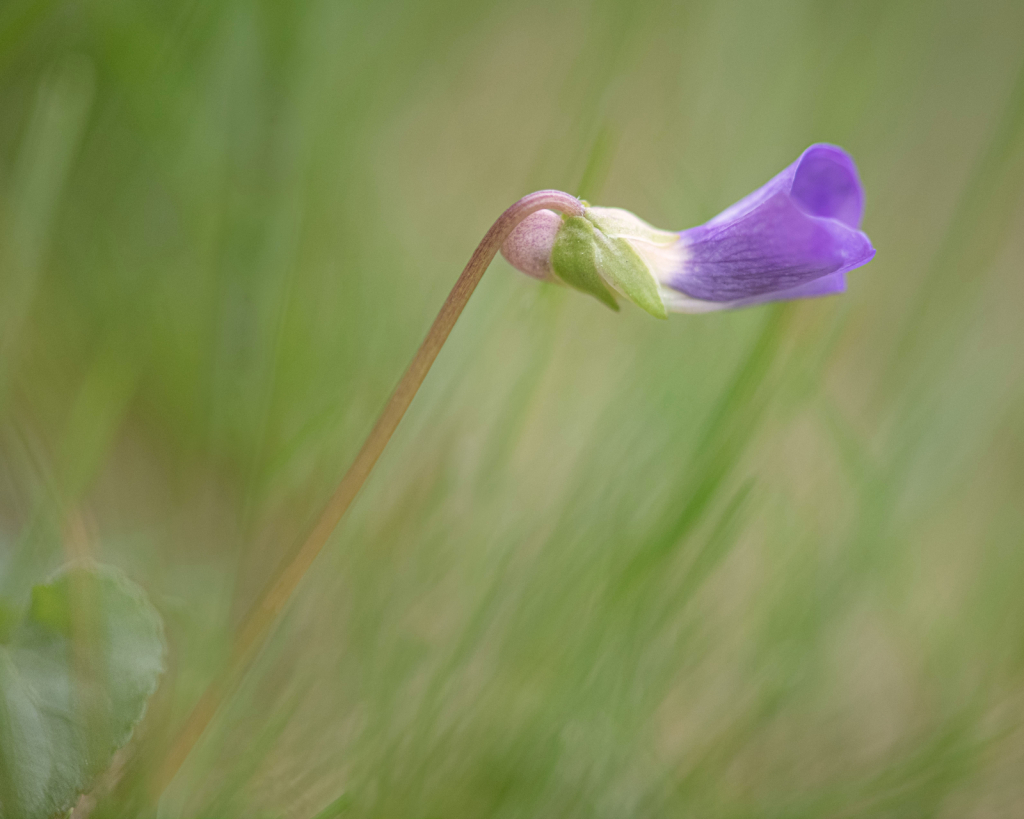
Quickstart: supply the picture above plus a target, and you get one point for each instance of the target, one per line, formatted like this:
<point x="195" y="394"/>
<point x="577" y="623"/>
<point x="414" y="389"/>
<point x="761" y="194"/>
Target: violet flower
<point x="795" y="237"/>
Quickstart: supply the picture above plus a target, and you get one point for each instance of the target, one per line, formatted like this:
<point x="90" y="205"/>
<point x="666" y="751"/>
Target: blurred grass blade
<point x="27" y="210"/>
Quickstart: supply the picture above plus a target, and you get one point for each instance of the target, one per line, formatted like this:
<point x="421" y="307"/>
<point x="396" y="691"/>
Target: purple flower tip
<point x="795" y="237"/>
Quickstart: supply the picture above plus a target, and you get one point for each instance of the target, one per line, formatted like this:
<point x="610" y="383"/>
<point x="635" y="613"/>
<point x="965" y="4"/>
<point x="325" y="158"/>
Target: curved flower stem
<point x="258" y="622"/>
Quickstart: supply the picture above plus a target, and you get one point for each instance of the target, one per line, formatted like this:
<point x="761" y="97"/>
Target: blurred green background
<point x="758" y="564"/>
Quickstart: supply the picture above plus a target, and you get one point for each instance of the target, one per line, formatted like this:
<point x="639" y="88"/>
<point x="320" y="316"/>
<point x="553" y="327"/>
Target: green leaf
<point x="574" y="260"/>
<point x="75" y="676"/>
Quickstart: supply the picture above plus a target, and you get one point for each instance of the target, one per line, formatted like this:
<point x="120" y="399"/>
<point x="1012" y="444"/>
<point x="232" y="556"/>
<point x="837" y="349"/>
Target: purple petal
<point x="826" y="184"/>
<point x="828" y="285"/>
<point x="794" y="237"/>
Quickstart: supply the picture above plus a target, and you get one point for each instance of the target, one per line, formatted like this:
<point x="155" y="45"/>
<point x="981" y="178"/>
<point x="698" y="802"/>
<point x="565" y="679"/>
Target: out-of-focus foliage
<point x="75" y="675"/>
<point x="758" y="563"/>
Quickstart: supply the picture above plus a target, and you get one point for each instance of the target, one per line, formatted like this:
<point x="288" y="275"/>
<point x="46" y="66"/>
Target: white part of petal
<point x="664" y="260"/>
<point x="676" y="302"/>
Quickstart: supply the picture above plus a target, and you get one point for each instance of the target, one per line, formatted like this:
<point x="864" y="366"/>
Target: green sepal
<point x="616" y="222"/>
<point x="593" y="253"/>
<point x="574" y="259"/>
<point x="619" y="261"/>
<point x="621" y="265"/>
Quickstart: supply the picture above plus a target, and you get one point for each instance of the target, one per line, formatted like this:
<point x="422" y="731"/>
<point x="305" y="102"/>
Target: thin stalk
<point x="258" y="622"/>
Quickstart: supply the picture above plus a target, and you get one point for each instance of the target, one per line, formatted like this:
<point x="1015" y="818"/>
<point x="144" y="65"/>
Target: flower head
<point x="795" y="237"/>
